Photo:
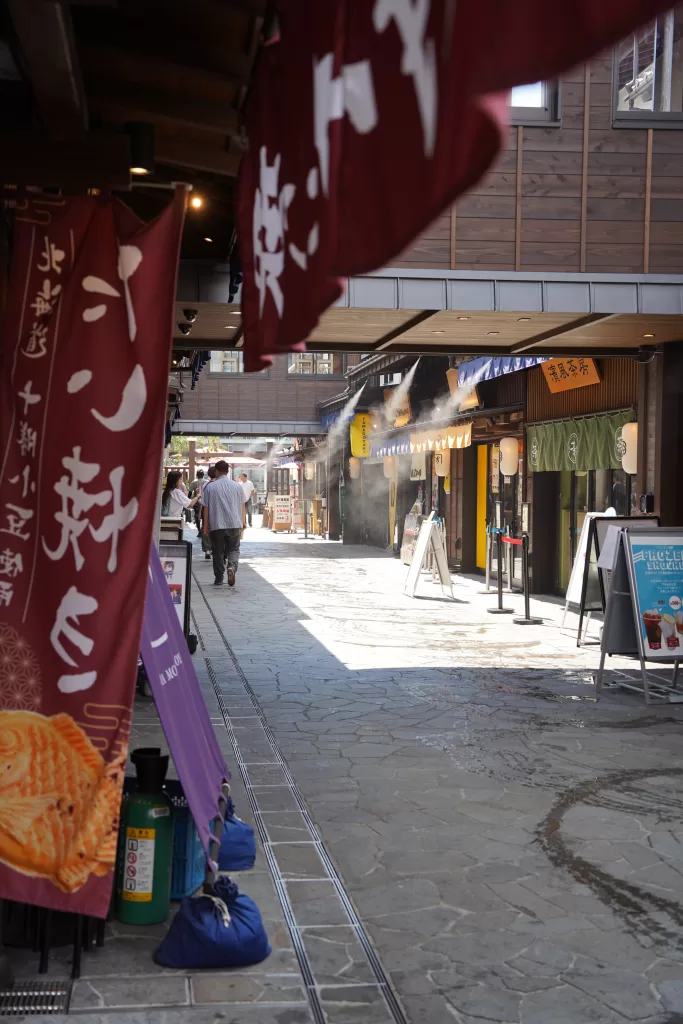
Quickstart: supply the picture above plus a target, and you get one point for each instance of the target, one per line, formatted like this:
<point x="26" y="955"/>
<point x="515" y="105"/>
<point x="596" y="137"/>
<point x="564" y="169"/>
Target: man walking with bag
<point x="224" y="502"/>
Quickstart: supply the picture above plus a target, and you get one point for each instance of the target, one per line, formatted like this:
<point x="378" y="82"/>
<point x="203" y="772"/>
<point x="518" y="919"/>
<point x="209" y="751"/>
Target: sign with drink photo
<point x="657" y="560"/>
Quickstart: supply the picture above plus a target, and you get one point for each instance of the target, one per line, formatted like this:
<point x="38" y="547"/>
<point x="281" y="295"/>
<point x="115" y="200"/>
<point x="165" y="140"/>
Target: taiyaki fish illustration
<point x="59" y="800"/>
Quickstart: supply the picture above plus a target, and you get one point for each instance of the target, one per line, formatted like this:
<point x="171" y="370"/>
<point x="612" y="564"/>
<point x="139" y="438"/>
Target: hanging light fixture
<point x="629" y="437"/>
<point x="509" y="456"/>
<point x="141" y="135"/>
<point x="354" y="468"/>
<point x="309" y="470"/>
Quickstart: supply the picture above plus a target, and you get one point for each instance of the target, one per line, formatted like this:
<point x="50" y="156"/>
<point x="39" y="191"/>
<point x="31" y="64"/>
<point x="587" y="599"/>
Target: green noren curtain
<point x="592" y="442"/>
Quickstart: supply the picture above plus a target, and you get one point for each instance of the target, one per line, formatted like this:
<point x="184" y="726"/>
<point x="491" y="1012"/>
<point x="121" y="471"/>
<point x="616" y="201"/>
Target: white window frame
<point x="547" y="115"/>
<point x="221" y="372"/>
<point x="648" y="118"/>
<point x="295" y="359"/>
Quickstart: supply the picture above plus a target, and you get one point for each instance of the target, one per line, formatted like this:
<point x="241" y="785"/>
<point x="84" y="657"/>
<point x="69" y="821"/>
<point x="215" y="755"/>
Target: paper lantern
<point x="442" y="463"/>
<point x="354" y="468"/>
<point x="389" y="466"/>
<point x="629" y="437"/>
<point x="509" y="456"/>
<point x="309" y="469"/>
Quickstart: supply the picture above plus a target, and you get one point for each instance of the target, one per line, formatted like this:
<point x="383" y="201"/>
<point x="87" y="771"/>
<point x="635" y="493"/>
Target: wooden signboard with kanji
<point x="566" y="374"/>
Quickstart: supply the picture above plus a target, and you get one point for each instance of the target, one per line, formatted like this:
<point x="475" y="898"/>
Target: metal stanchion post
<point x="489" y="556"/>
<point x="306" y="503"/>
<point x="508" y="562"/>
<point x="499" y="610"/>
<point x="528" y="619"/>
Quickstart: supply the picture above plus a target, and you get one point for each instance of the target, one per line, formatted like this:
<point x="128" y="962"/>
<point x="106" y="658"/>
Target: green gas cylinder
<point x="146" y="859"/>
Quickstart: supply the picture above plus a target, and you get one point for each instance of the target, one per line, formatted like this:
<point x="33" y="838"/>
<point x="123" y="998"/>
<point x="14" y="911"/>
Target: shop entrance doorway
<point x="580" y="492"/>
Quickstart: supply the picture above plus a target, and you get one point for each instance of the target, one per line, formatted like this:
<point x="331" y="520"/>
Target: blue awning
<point x="485" y="368"/>
<point x="328" y="419"/>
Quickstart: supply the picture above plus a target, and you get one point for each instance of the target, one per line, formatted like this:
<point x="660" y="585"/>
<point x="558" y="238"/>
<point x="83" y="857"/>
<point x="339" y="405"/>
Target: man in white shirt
<point x="224" y="500"/>
<point x="248" y="488"/>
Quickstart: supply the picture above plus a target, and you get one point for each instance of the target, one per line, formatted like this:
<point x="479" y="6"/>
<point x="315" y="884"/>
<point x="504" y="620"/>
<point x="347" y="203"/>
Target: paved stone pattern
<point x="513" y="847"/>
<point x="121" y="984"/>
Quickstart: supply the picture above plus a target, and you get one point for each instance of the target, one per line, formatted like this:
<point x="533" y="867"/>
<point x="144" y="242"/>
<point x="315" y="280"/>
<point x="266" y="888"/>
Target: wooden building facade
<point x="574" y="194"/>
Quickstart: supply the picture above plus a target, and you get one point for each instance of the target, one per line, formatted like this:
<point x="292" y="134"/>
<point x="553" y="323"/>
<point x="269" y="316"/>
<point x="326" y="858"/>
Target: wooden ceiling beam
<point x="256" y="8"/>
<point x="195" y="157"/>
<point x="48" y="58"/>
<point x="116" y="60"/>
<point x="557" y="332"/>
<point x="102" y="161"/>
<point x="126" y="102"/>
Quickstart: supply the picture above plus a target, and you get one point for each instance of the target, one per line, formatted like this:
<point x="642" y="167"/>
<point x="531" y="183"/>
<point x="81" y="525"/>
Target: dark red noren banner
<point x="368" y="118"/>
<point x="85" y="352"/>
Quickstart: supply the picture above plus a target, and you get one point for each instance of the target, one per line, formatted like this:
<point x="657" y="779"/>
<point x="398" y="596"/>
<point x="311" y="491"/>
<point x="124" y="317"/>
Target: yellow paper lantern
<point x="354" y="468"/>
<point x="389" y="466"/>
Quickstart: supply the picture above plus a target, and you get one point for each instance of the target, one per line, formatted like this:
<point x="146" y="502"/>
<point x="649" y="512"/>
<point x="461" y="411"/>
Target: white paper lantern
<point x="354" y="468"/>
<point x="442" y="463"/>
<point x="629" y="436"/>
<point x="509" y="456"/>
<point x="389" y="466"/>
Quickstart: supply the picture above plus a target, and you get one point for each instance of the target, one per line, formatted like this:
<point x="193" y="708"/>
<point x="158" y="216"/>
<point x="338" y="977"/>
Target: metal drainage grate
<point x="33" y="998"/>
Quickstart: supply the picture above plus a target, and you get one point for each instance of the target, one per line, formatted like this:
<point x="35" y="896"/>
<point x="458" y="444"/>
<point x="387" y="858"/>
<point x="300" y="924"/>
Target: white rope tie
<point x="223" y="907"/>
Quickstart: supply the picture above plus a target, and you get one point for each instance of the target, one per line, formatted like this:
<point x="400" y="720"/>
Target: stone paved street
<point x="454" y="830"/>
<point x="512" y="847"/>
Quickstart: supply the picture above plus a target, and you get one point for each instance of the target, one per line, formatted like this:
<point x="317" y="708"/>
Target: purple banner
<point x="180" y="703"/>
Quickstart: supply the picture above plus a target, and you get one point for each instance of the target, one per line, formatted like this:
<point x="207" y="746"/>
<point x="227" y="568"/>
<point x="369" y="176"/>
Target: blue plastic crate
<point x="189" y="860"/>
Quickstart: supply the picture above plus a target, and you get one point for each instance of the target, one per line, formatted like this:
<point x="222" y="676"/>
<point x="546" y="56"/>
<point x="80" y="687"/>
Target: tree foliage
<point x="180" y="444"/>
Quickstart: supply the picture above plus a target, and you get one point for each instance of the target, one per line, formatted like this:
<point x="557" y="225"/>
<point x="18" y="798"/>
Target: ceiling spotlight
<point x="190" y="315"/>
<point x="196" y="202"/>
<point x="464" y="318"/>
<point x="208" y="239"/>
<point x="648" y="335"/>
<point x="524" y="319"/>
<point x="493" y="332"/>
<point x="141" y="135"/>
<point x="438" y="332"/>
<point x="185" y="329"/>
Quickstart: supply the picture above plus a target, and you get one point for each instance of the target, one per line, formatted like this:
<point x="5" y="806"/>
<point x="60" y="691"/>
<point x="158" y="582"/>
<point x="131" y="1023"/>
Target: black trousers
<point x="225" y="544"/>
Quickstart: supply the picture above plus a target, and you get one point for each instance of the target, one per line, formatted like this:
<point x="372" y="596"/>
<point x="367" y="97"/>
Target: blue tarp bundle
<point x="222" y="930"/>
<point x="238" y="845"/>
